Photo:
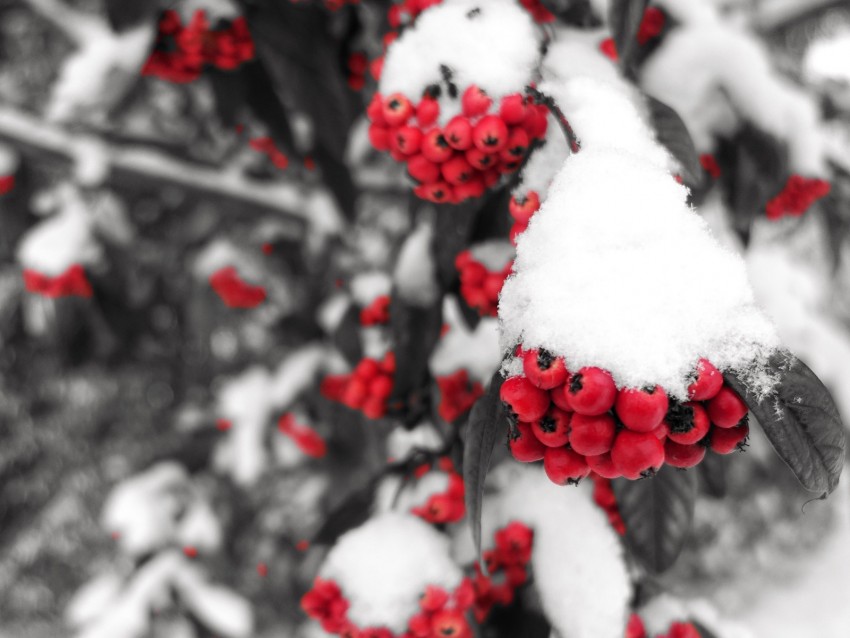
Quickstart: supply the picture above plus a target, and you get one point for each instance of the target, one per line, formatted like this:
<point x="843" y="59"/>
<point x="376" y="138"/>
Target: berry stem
<point x="555" y="110"/>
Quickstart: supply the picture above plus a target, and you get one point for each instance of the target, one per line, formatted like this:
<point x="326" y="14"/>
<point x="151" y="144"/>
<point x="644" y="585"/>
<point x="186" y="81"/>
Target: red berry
<point x="592" y="435"/>
<point x="635" y="628"/>
<point x="516" y="146"/>
<point x="450" y="624"/>
<point x="375" y="110"/>
<point x="422" y="169"/>
<point x="379" y="136"/>
<point x="472" y="188"/>
<point x="525" y="400"/>
<point x="381" y="387"/>
<point x="726" y="409"/>
<point x="435" y="147"/>
<point x="397" y="109"/>
<point x="708" y="382"/>
<point x="536" y="122"/>
<point x="522" y="208"/>
<point x="642" y="410"/>
<point x="458" y="132"/>
<point x="475" y="102"/>
<point x="684" y="456"/>
<point x="406" y="140"/>
<point x="727" y="440"/>
<point x="456" y="170"/>
<point x="560" y="399"/>
<point x="687" y="423"/>
<point x="590" y="391"/>
<point x="491" y="176"/>
<point x="427" y="112"/>
<point x="603" y="466"/>
<point x="367" y="369"/>
<point x="553" y="429"/>
<point x="436" y="192"/>
<point x="490" y="134"/>
<point x="374" y="407"/>
<point x="525" y="447"/>
<point x="563" y="466"/>
<point x="473" y="274"/>
<point x="481" y="160"/>
<point x="543" y="369"/>
<point x="355" y="393"/>
<point x="512" y="109"/>
<point x="493" y="285"/>
<point x="637" y="453"/>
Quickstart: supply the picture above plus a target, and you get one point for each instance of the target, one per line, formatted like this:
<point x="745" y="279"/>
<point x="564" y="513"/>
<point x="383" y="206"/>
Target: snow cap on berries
<point x="384" y="566"/>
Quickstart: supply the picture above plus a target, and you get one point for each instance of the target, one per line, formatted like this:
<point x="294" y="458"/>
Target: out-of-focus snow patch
<point x="402" y="441"/>
<point x="492" y="44"/>
<point x="477" y="350"/>
<point x="366" y="286"/>
<point x="200" y="528"/>
<point x="332" y="310"/>
<point x="295" y="374"/>
<point x="384" y="566"/>
<point x="415" y="273"/>
<point x="827" y="59"/>
<point x="666" y="609"/>
<point x="392" y="495"/>
<point x="92" y="598"/>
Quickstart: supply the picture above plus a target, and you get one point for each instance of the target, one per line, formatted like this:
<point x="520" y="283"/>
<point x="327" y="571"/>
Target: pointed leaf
<point x="485" y="423"/>
<point x="346" y="337"/>
<point x="657" y="513"/>
<point x="625" y="17"/>
<point x="801" y="421"/>
<point x="674" y="135"/>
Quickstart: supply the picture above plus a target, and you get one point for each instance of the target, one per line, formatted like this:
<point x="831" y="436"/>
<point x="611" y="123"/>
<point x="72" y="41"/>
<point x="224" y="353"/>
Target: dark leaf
<point x="625" y="17"/>
<point x="415" y="331"/>
<point x="485" y="423"/>
<point x="574" y="12"/>
<point x="516" y="621"/>
<point x="229" y="90"/>
<point x="712" y="474"/>
<point x="352" y="512"/>
<point x="125" y="15"/>
<point x="673" y="134"/>
<point x="657" y="513"/>
<point x="452" y="229"/>
<point x="470" y="315"/>
<point x="267" y="105"/>
<point x="346" y="338"/>
<point x="801" y="421"/>
<point x="703" y="631"/>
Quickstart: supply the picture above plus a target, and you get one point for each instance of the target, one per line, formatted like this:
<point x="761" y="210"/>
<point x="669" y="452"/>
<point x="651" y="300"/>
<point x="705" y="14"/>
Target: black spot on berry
<point x="680" y="418"/>
<point x="547" y="424"/>
<point x="433" y="91"/>
<point x="575" y="383"/>
<point x="474" y="13"/>
<point x="544" y="357"/>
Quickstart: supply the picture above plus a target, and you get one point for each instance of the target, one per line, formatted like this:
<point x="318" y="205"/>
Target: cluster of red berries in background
<point x="377" y="313"/>
<point x="7" y="184"/>
<point x="457" y="394"/>
<point x="357" y="65"/>
<point x="636" y="629"/>
<point x="521" y="208"/>
<point x="480" y="287"/>
<point x="507" y="566"/>
<point x="266" y="146"/>
<point x="234" y="291"/>
<point x="579" y="422"/>
<point x="798" y="194"/>
<point x="182" y="51"/>
<point x="603" y="496"/>
<point x="305" y="437"/>
<point x="468" y="155"/>
<point x="650" y="28"/>
<point x="71" y="283"/>
<point x="710" y="165"/>
<point x="367" y="388"/>
<point x="443" y="507"/>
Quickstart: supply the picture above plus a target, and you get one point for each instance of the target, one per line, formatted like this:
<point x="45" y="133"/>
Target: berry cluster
<point x="444" y="507"/>
<point x="71" y="283"/>
<point x="307" y="439"/>
<point x="521" y="209"/>
<point x="650" y="28"/>
<point x="7" y="184"/>
<point x="468" y="155"/>
<point x="636" y="629"/>
<point x="798" y="194"/>
<point x="357" y="64"/>
<point x="367" y="388"/>
<point x="480" y="287"/>
<point x="181" y="51"/>
<point x="507" y="566"/>
<point x="266" y="146"/>
<point x="234" y="292"/>
<point x="580" y="422"/>
<point x="376" y="313"/>
<point x="457" y="394"/>
<point x="603" y="496"/>
<point x="441" y="614"/>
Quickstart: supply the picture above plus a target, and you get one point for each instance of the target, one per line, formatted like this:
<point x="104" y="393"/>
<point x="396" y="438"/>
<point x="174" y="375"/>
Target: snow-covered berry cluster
<point x="367" y="388"/>
<point x="71" y="283"/>
<point x="457" y="394"/>
<point x="479" y="285"/>
<point x="796" y="197"/>
<point x="446" y="506"/>
<point x="182" y="51"/>
<point x="521" y="208"/>
<point x="234" y="291"/>
<point x="578" y="422"/>
<point x="470" y="153"/>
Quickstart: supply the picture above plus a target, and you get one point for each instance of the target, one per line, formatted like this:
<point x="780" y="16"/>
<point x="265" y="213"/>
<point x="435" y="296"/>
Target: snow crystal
<point x="384" y="566"/>
<point x="616" y="271"/>
<point x="491" y="44"/>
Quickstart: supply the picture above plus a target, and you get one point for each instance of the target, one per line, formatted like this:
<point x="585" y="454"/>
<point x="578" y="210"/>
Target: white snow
<point x="493" y="254"/>
<point x="392" y="497"/>
<point x="384" y="566"/>
<point x="544" y="163"/>
<point x="666" y="609"/>
<point x="826" y="59"/>
<point x="616" y="271"/>
<point x="415" y="273"/>
<point x="477" y="350"/>
<point x="366" y="286"/>
<point x="497" y="50"/>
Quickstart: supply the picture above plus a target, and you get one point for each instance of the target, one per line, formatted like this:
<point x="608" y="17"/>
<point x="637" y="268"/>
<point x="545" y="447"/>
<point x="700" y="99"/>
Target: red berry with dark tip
<point x="635" y="454"/>
<point x="603" y="466"/>
<point x="422" y="169"/>
<point x="450" y="624"/>
<point x="727" y="440"/>
<point x="379" y="136"/>
<point x="687" y="423"/>
<point x="525" y="400"/>
<point x="481" y="160"/>
<point x="436" y="192"/>
<point x="406" y="140"/>
<point x="456" y="170"/>
<point x="726" y="409"/>
<point x="490" y="134"/>
<point x="543" y="369"/>
<point x="590" y="391"/>
<point x="375" y="110"/>
<point x="512" y="109"/>
<point x="536" y="122"/>
<point x="427" y="112"/>
<point x="435" y="147"/>
<point x="475" y="102"/>
<point x="397" y="109"/>
<point x="522" y="208"/>
<point x="708" y="382"/>
<point x="682" y="455"/>
<point x="516" y="146"/>
<point x="552" y="429"/>
<point x="458" y="133"/>
<point x="525" y="447"/>
<point x="592" y="435"/>
<point x="642" y="410"/>
<point x="474" y="187"/>
<point x="563" y="466"/>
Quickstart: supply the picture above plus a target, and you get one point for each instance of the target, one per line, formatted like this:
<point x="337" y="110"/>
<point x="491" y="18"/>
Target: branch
<point x="555" y="110"/>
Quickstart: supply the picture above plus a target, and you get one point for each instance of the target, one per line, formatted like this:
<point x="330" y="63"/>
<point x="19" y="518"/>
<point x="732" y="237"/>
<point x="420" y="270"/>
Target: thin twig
<point x="555" y="110"/>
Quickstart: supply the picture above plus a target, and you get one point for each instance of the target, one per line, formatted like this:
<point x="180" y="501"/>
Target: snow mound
<point x="492" y="44"/>
<point x="384" y="566"/>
